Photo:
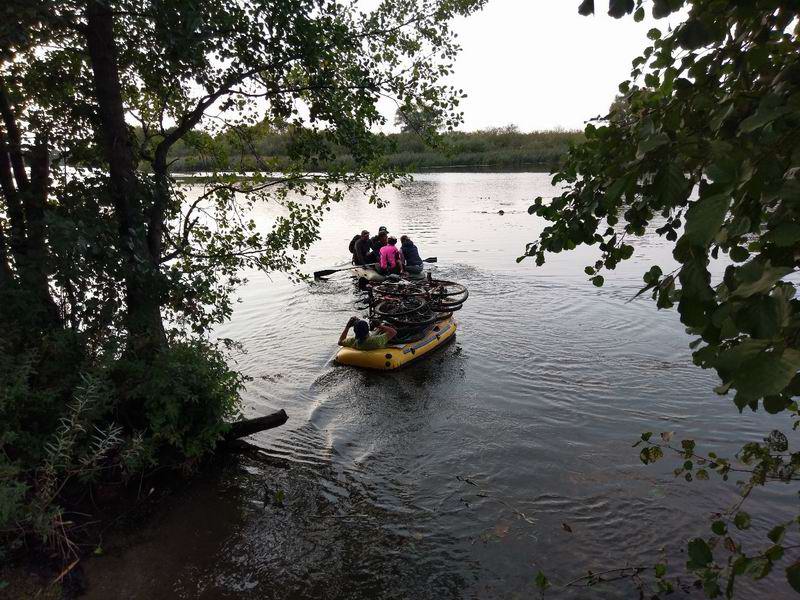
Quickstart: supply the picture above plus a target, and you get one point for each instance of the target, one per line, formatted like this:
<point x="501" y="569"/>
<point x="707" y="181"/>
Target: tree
<point x="119" y="270"/>
<point x="423" y="120"/>
<point x="707" y="156"/>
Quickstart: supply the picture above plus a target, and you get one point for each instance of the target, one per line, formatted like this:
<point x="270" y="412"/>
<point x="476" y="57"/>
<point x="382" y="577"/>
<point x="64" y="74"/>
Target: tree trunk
<point x="6" y="276"/>
<point x="25" y="203"/>
<point x="14" y="139"/>
<point x="240" y="429"/>
<point x="142" y="281"/>
<point x="16" y="215"/>
<point x="38" y="256"/>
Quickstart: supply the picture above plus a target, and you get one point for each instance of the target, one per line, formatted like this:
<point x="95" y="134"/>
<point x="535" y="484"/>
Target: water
<point x="455" y="477"/>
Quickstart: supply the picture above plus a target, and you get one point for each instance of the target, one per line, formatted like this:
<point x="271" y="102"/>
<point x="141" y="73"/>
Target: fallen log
<point x="241" y="429"/>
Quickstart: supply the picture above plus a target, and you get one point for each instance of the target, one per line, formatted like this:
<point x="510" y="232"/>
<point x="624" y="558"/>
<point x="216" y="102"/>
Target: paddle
<point x="323" y="273"/>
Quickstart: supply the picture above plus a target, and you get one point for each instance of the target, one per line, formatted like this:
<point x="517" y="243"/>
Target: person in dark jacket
<point x="412" y="262"/>
<point x="379" y="241"/>
<point x="362" y="250"/>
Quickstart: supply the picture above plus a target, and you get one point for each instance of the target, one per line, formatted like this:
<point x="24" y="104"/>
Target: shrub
<point x="188" y="394"/>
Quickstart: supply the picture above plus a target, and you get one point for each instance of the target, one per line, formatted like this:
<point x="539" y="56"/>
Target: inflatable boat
<point x="399" y="355"/>
<point x="372" y="275"/>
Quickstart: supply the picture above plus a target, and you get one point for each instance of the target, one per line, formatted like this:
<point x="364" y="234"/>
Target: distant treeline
<point x="505" y="148"/>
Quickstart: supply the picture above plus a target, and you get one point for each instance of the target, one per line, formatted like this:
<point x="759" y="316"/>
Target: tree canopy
<point x="112" y="272"/>
<point x="703" y="149"/>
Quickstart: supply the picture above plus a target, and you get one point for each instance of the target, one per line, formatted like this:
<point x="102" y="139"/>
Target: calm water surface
<point x="452" y="478"/>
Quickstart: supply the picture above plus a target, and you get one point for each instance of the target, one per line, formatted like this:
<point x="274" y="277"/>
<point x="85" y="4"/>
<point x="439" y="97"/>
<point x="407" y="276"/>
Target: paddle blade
<point x="432" y="259"/>
<point x="318" y="274"/>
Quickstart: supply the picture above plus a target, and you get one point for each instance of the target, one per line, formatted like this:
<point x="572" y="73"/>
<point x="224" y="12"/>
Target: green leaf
<point x="767" y="373"/>
<point x="699" y="553"/>
<point x="784" y="235"/>
<point x="704" y="219"/>
<point x="775" y="404"/>
<point x="586" y="8"/>
<point x="762" y="117"/>
<point x="619" y="8"/>
<point x="660" y="570"/>
<point x="742" y="520"/>
<point x="793" y="576"/>
<point x="738" y="254"/>
<point x="598" y="280"/>
<point x="774" y="553"/>
<point x="638" y="16"/>
<point x="654" y="34"/>
<point x="651" y="143"/>
<point x="757" y="276"/>
<point x="671" y="184"/>
<point x="761" y="317"/>
<point x="719" y="527"/>
<point x="541" y="581"/>
<point x="692" y="34"/>
<point x="618" y="187"/>
<point x="759" y="568"/>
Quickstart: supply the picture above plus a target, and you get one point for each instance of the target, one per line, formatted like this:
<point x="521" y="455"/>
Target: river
<point x="464" y="475"/>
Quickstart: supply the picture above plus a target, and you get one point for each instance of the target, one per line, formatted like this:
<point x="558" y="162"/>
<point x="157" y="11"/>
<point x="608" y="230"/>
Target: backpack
<point x="352" y="246"/>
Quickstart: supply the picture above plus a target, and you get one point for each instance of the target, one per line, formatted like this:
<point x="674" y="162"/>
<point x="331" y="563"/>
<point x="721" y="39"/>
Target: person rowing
<point x="362" y="250"/>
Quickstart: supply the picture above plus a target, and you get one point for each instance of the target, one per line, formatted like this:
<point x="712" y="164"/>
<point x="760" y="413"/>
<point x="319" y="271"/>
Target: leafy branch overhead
<point x="702" y="147"/>
<point x="707" y="155"/>
<point x="110" y="266"/>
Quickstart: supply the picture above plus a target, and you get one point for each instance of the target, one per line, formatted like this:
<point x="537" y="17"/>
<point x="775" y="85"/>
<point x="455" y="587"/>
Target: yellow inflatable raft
<point x="396" y="356"/>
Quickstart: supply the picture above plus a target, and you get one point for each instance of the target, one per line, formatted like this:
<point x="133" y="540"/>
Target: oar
<point x="325" y="272"/>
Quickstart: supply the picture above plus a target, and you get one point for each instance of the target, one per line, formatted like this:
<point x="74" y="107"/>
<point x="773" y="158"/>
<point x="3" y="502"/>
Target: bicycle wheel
<point x="416" y="319"/>
<point x="447" y="289"/>
<point x="444" y="308"/>
<point x="397" y="307"/>
<point x="399" y="289"/>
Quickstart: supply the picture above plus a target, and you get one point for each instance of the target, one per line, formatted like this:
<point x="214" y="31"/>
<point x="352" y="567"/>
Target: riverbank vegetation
<point x="500" y="147"/>
<point x="112" y="274"/>
<point x="704" y="140"/>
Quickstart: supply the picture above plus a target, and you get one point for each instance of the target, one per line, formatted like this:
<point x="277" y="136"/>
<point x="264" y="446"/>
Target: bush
<point x="120" y="417"/>
<point x="188" y="393"/>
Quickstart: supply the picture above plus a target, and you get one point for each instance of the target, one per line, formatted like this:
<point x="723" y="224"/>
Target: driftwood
<point x="241" y="429"/>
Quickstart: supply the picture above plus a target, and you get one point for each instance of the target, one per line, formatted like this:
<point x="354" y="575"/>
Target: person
<point x="362" y="250"/>
<point x="363" y="338"/>
<point x="379" y="241"/>
<point x="391" y="259"/>
<point x="412" y="262"/>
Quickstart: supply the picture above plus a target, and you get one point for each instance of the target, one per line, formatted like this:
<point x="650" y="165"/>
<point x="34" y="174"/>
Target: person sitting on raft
<point x="412" y="262"/>
<point x="362" y="250"/>
<point x="363" y="338"/>
<point x="379" y="241"/>
<point x="391" y="259"/>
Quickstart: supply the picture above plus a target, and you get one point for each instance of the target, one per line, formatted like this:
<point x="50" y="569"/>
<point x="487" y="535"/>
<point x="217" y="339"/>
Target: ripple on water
<point x="452" y="478"/>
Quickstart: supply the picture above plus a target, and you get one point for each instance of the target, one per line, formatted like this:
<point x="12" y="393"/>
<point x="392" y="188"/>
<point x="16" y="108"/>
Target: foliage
<point x="703" y="149"/>
<point x="418" y="119"/>
<point x="500" y="147"/>
<point x="112" y="272"/>
<point x="189" y="396"/>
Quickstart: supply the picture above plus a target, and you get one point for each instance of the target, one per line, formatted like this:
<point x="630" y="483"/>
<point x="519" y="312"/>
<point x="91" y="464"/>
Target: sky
<point x="538" y="64"/>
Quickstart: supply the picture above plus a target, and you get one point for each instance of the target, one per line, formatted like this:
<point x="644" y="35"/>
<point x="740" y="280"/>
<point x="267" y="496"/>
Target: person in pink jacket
<point x="391" y="261"/>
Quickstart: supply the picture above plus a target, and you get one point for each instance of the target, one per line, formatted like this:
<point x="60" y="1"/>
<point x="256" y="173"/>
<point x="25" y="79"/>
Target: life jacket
<point x="352" y="246"/>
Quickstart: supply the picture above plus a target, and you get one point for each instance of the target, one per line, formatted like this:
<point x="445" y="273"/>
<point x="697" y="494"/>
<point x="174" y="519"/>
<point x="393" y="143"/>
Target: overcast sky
<point x="538" y="64"/>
